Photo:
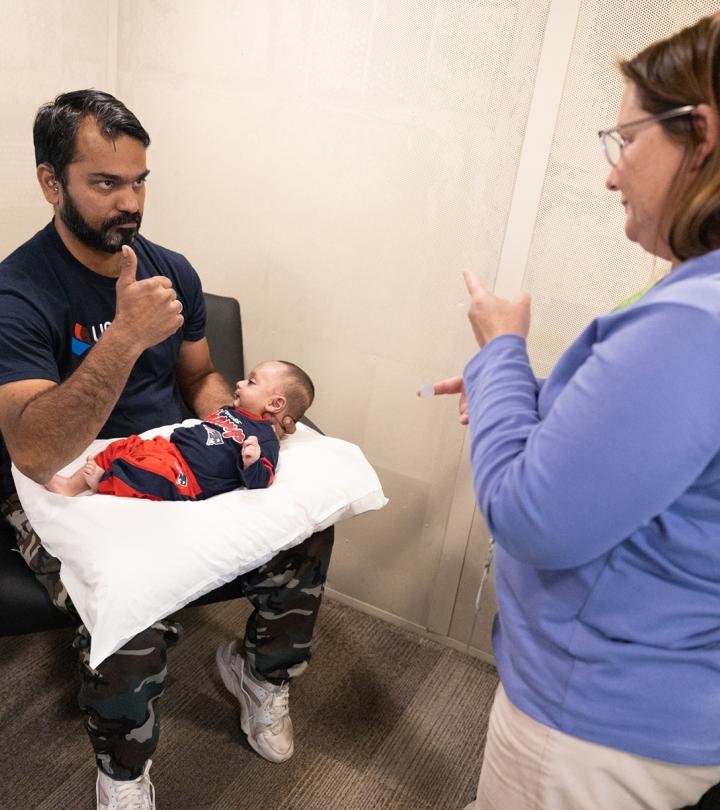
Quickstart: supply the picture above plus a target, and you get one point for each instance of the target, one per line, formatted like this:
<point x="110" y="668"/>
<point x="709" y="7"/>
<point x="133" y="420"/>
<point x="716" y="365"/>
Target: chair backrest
<point x="224" y="335"/>
<point x="223" y="330"/>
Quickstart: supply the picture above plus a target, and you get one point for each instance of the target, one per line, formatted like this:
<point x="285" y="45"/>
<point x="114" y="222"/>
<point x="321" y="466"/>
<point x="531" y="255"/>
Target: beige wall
<point x="45" y="46"/>
<point x="334" y="164"/>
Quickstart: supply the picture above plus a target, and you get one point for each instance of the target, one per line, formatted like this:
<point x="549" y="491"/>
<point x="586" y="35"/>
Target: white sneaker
<point x="264" y="707"/>
<point x="138" y="794"/>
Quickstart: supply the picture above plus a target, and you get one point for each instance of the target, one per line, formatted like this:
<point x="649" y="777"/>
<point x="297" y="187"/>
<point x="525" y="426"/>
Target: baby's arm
<point x="258" y="462"/>
<point x="250" y="451"/>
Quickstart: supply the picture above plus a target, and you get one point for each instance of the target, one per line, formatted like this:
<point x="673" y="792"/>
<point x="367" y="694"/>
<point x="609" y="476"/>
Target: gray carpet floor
<point x="382" y="718"/>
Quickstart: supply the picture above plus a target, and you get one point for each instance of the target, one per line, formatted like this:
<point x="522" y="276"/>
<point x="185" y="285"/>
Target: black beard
<point x="99" y="238"/>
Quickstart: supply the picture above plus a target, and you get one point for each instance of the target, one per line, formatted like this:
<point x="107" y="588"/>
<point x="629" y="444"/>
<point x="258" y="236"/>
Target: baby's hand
<point x="250" y="451"/>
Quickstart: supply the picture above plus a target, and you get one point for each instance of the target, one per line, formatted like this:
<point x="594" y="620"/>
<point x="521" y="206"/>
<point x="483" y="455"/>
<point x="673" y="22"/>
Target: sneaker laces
<point x="277" y="700"/>
<point x="135" y="795"/>
<point x="280" y="703"/>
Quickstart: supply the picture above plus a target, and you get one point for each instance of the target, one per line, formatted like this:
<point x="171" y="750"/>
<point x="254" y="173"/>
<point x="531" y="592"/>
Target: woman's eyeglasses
<point x="613" y="142"/>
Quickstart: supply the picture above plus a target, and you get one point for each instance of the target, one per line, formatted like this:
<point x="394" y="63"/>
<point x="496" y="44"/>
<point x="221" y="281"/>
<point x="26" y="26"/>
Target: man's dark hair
<point x="57" y="123"/>
<point x="300" y="392"/>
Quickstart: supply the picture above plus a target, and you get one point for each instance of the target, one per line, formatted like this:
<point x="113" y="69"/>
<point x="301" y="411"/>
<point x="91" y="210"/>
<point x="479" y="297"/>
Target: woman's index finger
<point x="472" y="284"/>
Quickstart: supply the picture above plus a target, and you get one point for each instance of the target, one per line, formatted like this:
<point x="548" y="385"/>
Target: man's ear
<point x="49" y="184"/>
<point x="276" y="404"/>
<point x="706" y="122"/>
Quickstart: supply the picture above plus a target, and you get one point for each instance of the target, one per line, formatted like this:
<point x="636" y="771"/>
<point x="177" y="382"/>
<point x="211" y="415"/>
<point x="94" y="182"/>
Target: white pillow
<point x="128" y="562"/>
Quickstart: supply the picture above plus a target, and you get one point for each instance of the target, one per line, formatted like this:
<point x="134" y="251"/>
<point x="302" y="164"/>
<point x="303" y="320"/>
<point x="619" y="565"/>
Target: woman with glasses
<point x="601" y="487"/>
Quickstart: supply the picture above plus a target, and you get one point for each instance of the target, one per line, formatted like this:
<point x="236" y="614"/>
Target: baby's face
<point x="263" y="383"/>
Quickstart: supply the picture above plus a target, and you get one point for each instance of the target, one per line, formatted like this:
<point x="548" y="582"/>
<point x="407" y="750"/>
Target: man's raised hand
<point x="146" y="311"/>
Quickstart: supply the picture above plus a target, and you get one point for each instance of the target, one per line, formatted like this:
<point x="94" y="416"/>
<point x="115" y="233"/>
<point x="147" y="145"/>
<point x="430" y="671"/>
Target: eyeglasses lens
<point x="613" y="148"/>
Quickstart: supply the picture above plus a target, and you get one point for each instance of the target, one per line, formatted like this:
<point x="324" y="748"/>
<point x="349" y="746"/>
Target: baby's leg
<point x="92" y="473"/>
<point x="68" y="485"/>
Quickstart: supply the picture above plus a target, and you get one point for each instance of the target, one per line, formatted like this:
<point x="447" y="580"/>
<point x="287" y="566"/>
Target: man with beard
<point x="101" y="339"/>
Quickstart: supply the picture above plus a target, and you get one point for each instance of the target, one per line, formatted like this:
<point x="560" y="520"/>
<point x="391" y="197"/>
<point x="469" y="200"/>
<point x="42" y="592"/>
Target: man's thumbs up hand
<point x="146" y="311"/>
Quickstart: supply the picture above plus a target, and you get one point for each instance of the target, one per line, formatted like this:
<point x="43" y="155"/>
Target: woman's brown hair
<point x="685" y="69"/>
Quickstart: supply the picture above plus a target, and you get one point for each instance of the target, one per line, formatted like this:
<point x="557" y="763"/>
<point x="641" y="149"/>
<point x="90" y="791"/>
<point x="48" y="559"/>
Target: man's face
<point x="102" y="199"/>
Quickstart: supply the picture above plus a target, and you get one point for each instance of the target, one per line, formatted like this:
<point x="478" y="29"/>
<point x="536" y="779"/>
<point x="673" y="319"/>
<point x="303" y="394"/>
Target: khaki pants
<point x="529" y="766"/>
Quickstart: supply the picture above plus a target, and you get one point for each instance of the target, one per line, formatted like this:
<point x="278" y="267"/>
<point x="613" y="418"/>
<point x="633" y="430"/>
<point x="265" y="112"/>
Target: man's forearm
<point x="55" y="426"/>
<point x="207" y="393"/>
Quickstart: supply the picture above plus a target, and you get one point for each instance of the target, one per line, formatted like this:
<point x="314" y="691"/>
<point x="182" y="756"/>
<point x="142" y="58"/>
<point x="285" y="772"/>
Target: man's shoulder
<point x="29" y="251"/>
<point x="26" y="268"/>
<point x="160" y="256"/>
<point x="156" y="260"/>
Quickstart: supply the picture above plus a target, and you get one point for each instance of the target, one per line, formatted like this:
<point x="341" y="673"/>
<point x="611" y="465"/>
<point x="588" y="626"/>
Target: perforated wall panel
<point x="580" y="263"/>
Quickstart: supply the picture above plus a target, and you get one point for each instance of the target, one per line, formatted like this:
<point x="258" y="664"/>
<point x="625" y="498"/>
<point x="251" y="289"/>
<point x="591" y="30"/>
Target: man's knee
<point x="140" y="665"/>
<point x="316" y="551"/>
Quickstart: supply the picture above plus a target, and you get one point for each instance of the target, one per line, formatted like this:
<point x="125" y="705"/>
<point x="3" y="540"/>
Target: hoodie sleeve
<point x="630" y="432"/>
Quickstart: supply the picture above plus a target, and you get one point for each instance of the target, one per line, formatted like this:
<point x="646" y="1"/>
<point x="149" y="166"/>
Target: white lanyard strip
<point x="483" y="581"/>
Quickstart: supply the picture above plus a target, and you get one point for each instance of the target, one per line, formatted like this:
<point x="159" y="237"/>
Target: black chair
<point x="25" y="606"/>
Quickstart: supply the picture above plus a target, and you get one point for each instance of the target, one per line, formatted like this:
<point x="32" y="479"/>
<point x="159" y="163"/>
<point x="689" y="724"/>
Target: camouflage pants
<point x="120" y="698"/>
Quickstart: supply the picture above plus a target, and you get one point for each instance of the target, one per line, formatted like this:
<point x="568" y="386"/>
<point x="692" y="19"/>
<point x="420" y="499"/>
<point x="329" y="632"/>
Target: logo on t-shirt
<point x="214" y="437"/>
<point x="83" y="338"/>
<point x="229" y="424"/>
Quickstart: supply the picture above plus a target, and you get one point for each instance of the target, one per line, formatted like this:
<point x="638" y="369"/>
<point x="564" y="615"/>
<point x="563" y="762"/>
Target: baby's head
<point x="275" y="388"/>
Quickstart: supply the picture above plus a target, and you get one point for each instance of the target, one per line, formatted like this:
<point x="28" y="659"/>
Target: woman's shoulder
<point x="694" y="283"/>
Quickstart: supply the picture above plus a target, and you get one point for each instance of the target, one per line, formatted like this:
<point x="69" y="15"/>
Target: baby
<point x="235" y="446"/>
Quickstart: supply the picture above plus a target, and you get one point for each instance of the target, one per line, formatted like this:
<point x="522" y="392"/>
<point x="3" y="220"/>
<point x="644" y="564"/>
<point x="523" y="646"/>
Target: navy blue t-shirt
<point x="53" y="309"/>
